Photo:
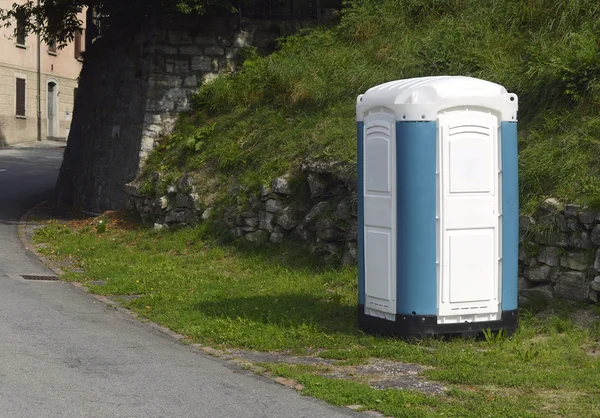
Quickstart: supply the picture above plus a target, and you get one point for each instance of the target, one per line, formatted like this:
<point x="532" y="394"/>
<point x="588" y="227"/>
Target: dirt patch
<point x="387" y="374"/>
<point x="113" y="220"/>
<point x="379" y="374"/>
<point x="51" y="212"/>
<point x="585" y="318"/>
<point x="592" y="349"/>
<point x="279" y="358"/>
<point x="77" y="220"/>
<point x="123" y="298"/>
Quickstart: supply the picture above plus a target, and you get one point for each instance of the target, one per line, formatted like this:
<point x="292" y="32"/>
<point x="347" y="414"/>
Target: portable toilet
<point x="437" y="207"/>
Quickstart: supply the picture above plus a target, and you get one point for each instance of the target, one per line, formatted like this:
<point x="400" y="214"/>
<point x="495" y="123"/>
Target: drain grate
<point x="40" y="278"/>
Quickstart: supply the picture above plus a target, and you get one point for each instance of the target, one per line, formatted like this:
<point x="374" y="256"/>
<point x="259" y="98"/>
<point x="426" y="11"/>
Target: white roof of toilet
<point x="421" y="99"/>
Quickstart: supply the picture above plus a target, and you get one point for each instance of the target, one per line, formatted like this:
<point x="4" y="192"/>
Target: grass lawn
<point x="246" y="128"/>
<point x="277" y="299"/>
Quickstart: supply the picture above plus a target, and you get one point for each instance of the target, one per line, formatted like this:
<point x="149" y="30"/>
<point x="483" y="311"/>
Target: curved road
<point x="63" y="354"/>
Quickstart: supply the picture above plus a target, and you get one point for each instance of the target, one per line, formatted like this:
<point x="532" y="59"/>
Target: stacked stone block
<point x="559" y="255"/>
<point x="183" y="58"/>
<point x="315" y="207"/>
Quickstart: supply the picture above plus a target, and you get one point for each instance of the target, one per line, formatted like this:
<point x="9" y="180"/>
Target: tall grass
<point x="298" y="103"/>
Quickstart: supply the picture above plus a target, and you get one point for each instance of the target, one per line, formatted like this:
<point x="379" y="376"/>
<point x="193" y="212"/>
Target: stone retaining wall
<point x="559" y="255"/>
<point x="559" y="249"/>
<point x="316" y="206"/>
<point x="134" y="83"/>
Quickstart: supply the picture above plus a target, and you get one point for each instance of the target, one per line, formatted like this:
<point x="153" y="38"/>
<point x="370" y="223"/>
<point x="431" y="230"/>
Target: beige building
<point x="20" y="74"/>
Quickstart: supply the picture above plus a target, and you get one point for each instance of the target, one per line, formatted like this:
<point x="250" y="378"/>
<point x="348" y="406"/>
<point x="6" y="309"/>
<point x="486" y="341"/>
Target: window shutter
<point x="20" y="32"/>
<point x="77" y="44"/>
<point x="20" y="97"/>
<point x="52" y="46"/>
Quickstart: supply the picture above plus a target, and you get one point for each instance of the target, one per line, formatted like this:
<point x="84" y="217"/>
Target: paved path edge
<point x="22" y="233"/>
<point x="179" y="338"/>
<point x="29" y="247"/>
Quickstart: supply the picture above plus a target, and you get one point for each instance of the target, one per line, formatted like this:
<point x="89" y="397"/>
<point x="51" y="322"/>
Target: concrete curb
<point x="220" y="354"/>
<point x="22" y="233"/>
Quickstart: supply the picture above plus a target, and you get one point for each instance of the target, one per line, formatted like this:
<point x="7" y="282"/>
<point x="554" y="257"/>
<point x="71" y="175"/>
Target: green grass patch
<point x="280" y="299"/>
<point x="298" y="103"/>
<point x="457" y="402"/>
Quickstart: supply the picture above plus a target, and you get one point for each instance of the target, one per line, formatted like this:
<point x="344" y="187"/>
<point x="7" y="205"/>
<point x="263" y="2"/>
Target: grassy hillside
<point x="299" y="102"/>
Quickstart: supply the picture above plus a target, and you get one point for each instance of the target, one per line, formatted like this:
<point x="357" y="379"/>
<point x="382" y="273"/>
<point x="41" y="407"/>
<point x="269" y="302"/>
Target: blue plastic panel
<point x="416" y="186"/>
<point x="361" y="219"/>
<point x="510" y="215"/>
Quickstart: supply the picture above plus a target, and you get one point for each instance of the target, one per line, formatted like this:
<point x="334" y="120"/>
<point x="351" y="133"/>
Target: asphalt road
<point x="64" y="354"/>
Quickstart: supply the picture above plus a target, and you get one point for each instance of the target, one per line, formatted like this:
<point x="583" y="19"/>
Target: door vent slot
<point x="40" y="278"/>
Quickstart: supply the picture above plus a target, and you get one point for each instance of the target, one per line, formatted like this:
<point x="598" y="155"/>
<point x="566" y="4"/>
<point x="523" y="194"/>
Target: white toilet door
<point x="470" y="215"/>
<point x="380" y="213"/>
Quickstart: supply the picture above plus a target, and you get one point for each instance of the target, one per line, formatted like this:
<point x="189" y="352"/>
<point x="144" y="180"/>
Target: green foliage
<point x="148" y="188"/>
<point x="59" y="19"/>
<point x="559" y="156"/>
<point x="101" y="226"/>
<point x="494" y="338"/>
<point x="299" y="102"/>
<point x="194" y="141"/>
<point x="527" y="353"/>
<point x="54" y="231"/>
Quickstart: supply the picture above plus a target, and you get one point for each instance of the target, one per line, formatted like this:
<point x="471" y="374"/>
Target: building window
<point x="52" y="49"/>
<point x="77" y="43"/>
<point x="21" y="32"/>
<point x="20" y="108"/>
